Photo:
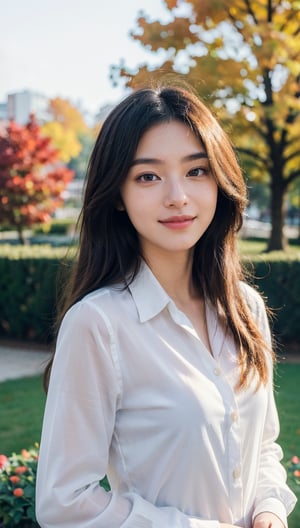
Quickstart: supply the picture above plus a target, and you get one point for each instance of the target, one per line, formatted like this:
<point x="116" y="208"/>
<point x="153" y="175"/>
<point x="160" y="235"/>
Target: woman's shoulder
<point x="106" y="302"/>
<point x="253" y="298"/>
<point x="250" y="291"/>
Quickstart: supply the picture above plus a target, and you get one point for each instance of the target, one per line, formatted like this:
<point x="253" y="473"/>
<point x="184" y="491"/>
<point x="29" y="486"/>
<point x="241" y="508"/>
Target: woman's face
<point x="170" y="194"/>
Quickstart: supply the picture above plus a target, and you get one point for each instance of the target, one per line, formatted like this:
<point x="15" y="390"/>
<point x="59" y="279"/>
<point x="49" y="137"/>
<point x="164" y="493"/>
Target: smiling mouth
<point x="178" y="222"/>
<point x="181" y="219"/>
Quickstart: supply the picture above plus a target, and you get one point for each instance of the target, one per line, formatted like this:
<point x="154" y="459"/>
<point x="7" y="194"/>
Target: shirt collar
<point x="150" y="299"/>
<point x="148" y="295"/>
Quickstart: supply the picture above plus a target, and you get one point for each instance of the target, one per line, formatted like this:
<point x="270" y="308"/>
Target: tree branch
<point x="292" y="176"/>
<point x="286" y="21"/>
<point x="296" y="32"/>
<point x="269" y="11"/>
<point x="292" y="156"/>
<point x="259" y="131"/>
<point x="253" y="154"/>
<point x="250" y="11"/>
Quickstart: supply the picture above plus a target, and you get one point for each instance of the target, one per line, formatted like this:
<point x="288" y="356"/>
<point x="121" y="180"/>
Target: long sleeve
<point x="272" y="492"/>
<point x="84" y="394"/>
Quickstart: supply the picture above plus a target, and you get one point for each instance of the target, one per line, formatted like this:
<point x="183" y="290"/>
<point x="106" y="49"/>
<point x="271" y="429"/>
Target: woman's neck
<point x="175" y="276"/>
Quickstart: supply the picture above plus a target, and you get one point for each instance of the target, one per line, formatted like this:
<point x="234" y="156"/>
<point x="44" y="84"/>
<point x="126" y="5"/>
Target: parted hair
<point x="109" y="251"/>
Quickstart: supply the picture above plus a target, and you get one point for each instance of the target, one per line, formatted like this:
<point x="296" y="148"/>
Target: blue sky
<point x="65" y="47"/>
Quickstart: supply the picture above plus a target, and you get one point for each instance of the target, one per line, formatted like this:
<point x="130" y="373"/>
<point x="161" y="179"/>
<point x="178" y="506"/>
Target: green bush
<point x="56" y="227"/>
<point x="28" y="282"/>
<point x="278" y="279"/>
<point x="28" y="285"/>
<point x="17" y="489"/>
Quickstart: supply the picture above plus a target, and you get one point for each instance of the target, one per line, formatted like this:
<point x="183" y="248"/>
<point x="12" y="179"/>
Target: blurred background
<point x="64" y="65"/>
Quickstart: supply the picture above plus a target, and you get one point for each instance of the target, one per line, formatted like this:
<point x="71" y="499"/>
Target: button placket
<point x="236" y="474"/>
<point x="234" y="417"/>
<point x="227" y="383"/>
<point x="234" y="458"/>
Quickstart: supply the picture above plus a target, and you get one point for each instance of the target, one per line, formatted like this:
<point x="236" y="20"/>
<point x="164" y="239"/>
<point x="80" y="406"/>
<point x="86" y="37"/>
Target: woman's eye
<point x="148" y="177"/>
<point x="198" y="171"/>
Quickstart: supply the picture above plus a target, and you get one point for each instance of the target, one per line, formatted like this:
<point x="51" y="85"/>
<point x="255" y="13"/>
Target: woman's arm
<point x="274" y="499"/>
<point x="273" y="495"/>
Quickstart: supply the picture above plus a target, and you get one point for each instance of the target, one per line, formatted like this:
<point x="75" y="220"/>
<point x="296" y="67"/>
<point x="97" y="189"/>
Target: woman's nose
<point x="176" y="195"/>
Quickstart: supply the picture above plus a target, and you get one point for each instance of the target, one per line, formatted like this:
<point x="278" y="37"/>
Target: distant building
<point x="3" y="112"/>
<point x="21" y="104"/>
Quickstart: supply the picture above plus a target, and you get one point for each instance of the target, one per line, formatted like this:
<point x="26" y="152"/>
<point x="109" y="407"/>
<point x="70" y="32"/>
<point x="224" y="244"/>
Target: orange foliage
<point x="244" y="58"/>
<point x="67" y="115"/>
<point x="31" y="178"/>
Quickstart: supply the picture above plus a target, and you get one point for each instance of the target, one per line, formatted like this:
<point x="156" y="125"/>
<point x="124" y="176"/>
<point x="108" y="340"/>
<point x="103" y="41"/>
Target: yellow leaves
<point x="292" y="153"/>
<point x="277" y="113"/>
<point x="65" y="128"/>
<point x="206" y="11"/>
<point x="65" y="140"/>
<point x="269" y="34"/>
<point x="233" y="11"/>
<point x="228" y="49"/>
<point x="272" y="47"/>
<point x="155" y="35"/>
<point x="67" y="115"/>
<point x="171" y="4"/>
<point x="218" y="42"/>
<point x="144" y="76"/>
<point x="294" y="67"/>
<point x="237" y="55"/>
<point x="293" y="131"/>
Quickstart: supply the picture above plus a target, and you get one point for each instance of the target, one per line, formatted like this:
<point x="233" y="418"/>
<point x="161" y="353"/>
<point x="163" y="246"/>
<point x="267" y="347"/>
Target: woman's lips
<point x="178" y="222"/>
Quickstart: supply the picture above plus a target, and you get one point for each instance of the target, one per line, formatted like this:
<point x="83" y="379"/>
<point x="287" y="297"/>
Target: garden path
<point x="18" y="360"/>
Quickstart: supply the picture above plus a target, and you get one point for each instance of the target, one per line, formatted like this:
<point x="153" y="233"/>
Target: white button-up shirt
<point x="135" y="394"/>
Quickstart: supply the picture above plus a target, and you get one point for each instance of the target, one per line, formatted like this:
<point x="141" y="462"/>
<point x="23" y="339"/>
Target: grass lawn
<point x="22" y="402"/>
<point x="257" y="246"/>
<point x="21" y="408"/>
<point x="288" y="403"/>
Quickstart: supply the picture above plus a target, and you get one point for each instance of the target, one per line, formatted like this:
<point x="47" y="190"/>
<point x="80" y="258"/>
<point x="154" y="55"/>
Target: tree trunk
<point x="277" y="240"/>
<point x="22" y="239"/>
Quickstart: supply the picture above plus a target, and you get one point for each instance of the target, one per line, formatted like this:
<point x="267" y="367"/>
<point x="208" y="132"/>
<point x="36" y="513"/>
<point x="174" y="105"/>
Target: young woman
<point x="162" y="376"/>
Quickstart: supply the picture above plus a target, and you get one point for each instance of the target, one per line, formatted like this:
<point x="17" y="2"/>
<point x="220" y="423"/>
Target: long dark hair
<point x="109" y="250"/>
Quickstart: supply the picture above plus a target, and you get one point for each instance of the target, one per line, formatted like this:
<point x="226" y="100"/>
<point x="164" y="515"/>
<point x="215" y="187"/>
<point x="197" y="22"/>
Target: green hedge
<point x="28" y="287"/>
<point x="279" y="282"/>
<point x="56" y="227"/>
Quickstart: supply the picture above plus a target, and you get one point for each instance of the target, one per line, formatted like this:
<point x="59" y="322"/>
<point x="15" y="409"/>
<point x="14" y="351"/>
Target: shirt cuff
<point x="271" y="505"/>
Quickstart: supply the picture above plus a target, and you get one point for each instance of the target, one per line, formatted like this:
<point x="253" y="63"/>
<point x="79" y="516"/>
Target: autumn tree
<point x="32" y="179"/>
<point x="79" y="163"/>
<point x="65" y="128"/>
<point x="243" y="56"/>
<point x="64" y="112"/>
<point x="63" y="139"/>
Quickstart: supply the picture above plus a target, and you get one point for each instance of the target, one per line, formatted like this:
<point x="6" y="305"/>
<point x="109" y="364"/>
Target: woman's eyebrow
<point x="189" y="157"/>
<point x="144" y="161"/>
<point x="195" y="156"/>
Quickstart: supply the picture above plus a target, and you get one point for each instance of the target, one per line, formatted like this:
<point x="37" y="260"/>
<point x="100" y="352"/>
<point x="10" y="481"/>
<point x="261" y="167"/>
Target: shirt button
<point x="217" y="371"/>
<point x="236" y="473"/>
<point x="234" y="416"/>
